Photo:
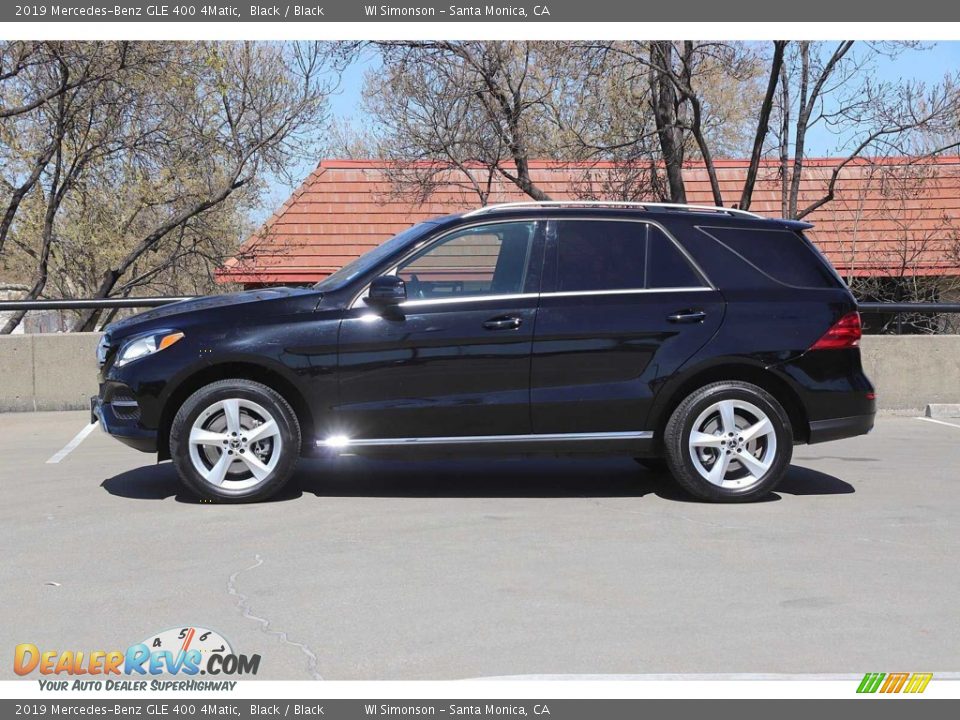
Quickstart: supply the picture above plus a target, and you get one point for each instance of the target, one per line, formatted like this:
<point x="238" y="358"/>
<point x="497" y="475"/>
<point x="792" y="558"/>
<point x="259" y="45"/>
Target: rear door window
<point x="598" y="255"/>
<point x="667" y="266"/>
<point x="782" y="255"/>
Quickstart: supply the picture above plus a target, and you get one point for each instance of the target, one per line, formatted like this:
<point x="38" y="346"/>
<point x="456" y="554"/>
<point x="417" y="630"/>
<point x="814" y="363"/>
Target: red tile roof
<point x="886" y="216"/>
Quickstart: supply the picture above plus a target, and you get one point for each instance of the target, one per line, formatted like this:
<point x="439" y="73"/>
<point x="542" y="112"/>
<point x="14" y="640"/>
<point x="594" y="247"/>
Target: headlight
<point x="146" y="345"/>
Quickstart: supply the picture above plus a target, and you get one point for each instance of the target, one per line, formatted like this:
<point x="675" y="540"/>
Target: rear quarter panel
<point x="771" y="326"/>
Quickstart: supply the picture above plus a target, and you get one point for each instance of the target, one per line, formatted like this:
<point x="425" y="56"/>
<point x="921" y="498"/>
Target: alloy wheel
<point x="235" y="444"/>
<point x="733" y="444"/>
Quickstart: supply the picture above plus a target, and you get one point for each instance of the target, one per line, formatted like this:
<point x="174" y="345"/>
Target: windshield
<point x="368" y="260"/>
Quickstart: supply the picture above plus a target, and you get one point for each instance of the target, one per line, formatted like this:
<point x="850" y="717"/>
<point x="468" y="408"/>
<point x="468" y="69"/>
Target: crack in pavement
<point x="243" y="606"/>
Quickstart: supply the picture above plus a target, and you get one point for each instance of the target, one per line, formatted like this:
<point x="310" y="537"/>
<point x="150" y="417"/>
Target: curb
<point x="943" y="410"/>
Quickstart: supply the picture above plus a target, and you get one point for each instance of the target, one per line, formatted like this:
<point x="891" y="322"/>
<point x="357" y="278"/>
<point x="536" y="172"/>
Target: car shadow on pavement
<point x="149" y="482"/>
<point x="520" y="478"/>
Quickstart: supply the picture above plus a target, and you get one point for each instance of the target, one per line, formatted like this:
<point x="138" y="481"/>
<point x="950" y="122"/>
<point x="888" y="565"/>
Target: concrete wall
<point x="912" y="371"/>
<point x="59" y="372"/>
<point x="48" y="372"/>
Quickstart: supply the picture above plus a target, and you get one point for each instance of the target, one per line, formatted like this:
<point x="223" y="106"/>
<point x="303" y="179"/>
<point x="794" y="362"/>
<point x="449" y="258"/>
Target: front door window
<point x="479" y="261"/>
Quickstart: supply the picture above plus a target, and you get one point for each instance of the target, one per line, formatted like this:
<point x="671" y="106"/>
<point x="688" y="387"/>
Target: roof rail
<point x="611" y="203"/>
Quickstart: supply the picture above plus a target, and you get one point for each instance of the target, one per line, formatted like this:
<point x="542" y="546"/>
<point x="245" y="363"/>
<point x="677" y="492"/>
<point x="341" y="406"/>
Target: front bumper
<point x="126" y="431"/>
<point x="837" y="428"/>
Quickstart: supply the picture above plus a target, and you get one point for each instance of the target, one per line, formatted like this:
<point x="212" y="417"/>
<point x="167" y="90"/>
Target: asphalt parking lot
<point x="444" y="570"/>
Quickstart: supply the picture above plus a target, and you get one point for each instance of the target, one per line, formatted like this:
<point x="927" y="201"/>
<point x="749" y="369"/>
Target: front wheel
<point x="729" y="442"/>
<point x="235" y="441"/>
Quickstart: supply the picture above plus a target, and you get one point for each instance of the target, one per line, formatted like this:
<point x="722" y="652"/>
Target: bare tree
<point x="160" y="161"/>
<point x="258" y="105"/>
<point x="33" y="75"/>
<point x="21" y="61"/>
<point x="71" y="127"/>
<point x="54" y="196"/>
<point x="434" y="131"/>
<point x="837" y="87"/>
<point x="896" y="249"/>
<point x="668" y="113"/>
<point x="476" y="108"/>
<point x="477" y="111"/>
<point x="763" y="123"/>
<point x="807" y="85"/>
<point x="688" y="98"/>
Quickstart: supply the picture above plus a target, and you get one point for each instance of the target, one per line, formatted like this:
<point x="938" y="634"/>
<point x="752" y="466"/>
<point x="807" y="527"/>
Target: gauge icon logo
<point x="180" y="641"/>
<point x="185" y="639"/>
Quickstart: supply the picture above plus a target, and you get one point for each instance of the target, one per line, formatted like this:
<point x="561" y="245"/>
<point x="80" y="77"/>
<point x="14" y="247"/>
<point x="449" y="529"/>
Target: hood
<point x="209" y="302"/>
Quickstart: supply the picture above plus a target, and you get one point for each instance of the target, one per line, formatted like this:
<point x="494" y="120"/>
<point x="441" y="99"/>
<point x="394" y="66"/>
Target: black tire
<point x="653" y="464"/>
<point x="252" y="394"/>
<point x="677" y="436"/>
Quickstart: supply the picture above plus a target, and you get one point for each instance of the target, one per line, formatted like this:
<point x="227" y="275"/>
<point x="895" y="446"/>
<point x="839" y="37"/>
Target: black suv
<point x="707" y="339"/>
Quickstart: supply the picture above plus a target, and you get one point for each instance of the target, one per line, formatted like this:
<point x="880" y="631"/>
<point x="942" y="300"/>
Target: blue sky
<point x="928" y="65"/>
<point x="347" y="101"/>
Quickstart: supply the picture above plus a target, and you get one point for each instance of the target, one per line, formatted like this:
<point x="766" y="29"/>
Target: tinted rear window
<point x="780" y="254"/>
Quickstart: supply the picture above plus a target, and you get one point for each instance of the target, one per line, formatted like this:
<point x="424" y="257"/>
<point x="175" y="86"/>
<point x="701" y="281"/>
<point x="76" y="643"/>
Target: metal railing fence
<point x="899" y="311"/>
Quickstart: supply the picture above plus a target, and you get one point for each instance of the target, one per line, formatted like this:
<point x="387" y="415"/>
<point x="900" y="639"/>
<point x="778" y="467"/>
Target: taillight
<point x="843" y="334"/>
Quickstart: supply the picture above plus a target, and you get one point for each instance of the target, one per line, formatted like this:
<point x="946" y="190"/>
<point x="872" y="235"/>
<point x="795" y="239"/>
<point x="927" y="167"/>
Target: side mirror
<point x="386" y="290"/>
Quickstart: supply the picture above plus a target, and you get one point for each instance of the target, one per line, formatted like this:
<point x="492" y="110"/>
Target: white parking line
<point x="939" y="422"/>
<point x="72" y="445"/>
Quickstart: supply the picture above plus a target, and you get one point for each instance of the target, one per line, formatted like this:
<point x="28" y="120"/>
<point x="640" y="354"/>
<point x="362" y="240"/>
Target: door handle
<point x="503" y="323"/>
<point x="687" y="316"/>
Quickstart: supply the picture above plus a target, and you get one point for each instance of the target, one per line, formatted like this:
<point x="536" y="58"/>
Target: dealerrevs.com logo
<point x="188" y="651"/>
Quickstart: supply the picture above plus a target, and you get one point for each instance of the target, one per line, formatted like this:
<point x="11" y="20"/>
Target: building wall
<point x="882" y="211"/>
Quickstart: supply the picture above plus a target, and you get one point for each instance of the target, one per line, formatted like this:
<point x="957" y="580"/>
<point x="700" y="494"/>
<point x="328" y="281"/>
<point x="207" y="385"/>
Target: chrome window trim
<point x="346" y="444"/>
<point x="564" y="293"/>
<point x="628" y="291"/>
<point x="355" y="303"/>
<point x="469" y="298"/>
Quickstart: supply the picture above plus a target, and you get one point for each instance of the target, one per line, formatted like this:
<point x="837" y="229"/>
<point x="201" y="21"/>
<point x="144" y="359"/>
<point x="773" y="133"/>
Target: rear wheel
<point x="729" y="442"/>
<point x="235" y="441"/>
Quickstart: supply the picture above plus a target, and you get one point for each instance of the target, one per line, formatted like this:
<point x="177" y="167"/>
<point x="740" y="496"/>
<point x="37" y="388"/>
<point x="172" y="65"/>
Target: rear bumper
<point x="837" y="428"/>
<point x="126" y="431"/>
<point x="837" y="398"/>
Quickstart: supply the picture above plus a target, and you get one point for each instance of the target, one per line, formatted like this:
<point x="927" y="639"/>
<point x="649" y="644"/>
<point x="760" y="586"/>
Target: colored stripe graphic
<point x="894" y="682"/>
<point x="870" y="682"/>
<point x="918" y="682"/>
